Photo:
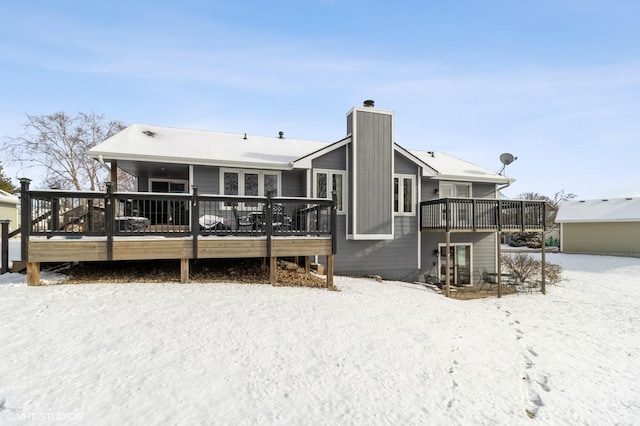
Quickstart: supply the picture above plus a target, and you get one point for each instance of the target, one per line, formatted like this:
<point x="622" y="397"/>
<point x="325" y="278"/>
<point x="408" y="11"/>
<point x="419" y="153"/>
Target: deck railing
<point x="74" y="214"/>
<point x="482" y="215"/>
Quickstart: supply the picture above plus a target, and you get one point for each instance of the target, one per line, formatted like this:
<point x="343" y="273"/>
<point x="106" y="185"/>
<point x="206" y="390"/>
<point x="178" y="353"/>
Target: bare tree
<point x="59" y="143"/>
<point x="552" y="203"/>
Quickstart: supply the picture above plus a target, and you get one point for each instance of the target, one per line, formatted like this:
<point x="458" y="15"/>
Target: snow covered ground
<point x="373" y="353"/>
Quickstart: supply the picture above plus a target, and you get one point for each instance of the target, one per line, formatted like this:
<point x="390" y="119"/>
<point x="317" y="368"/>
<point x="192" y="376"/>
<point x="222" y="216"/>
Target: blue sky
<point x="556" y="83"/>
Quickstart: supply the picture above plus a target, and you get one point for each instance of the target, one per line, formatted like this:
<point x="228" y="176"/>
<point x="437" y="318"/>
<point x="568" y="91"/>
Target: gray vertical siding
<point x="483" y="190"/>
<point x="294" y="183"/>
<point x="395" y="259"/>
<point x="207" y="179"/>
<point x="427" y="189"/>
<point x="373" y="173"/>
<point x="143" y="183"/>
<point x="402" y="165"/>
<point x="334" y="160"/>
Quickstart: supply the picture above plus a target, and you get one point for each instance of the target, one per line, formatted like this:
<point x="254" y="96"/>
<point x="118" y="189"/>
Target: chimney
<point x="369" y="103"/>
<point x="281" y="134"/>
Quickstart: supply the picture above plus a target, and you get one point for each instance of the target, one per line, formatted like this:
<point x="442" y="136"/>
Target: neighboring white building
<point x="9" y="207"/>
<point x="604" y="226"/>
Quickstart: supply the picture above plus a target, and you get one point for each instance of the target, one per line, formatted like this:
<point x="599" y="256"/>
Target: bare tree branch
<point x="59" y="144"/>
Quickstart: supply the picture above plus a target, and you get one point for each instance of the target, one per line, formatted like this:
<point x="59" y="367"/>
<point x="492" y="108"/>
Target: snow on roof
<point x="5" y="197"/>
<point x="142" y="142"/>
<point x="452" y="168"/>
<point x="603" y="210"/>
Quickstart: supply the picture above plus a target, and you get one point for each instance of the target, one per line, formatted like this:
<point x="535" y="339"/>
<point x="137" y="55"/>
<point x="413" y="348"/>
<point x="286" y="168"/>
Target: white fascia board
<point x="456" y="178"/>
<point x="369" y="109"/>
<point x="199" y="162"/>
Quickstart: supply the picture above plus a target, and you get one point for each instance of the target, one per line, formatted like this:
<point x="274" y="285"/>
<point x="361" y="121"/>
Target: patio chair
<point x="242" y="222"/>
<point x="487" y="280"/>
<point x="279" y="220"/>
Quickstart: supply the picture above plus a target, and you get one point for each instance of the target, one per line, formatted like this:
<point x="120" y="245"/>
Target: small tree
<point x="59" y="143"/>
<point x="5" y="182"/>
<point x="520" y="265"/>
<point x="524" y="267"/>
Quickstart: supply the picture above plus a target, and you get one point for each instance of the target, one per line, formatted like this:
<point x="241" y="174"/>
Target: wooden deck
<point x="42" y="250"/>
<point x="85" y="226"/>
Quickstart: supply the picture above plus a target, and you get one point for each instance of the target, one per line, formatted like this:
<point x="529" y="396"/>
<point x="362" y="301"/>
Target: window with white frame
<point x="328" y="181"/>
<point x="404" y="190"/>
<point x="455" y="190"/>
<point x="249" y="182"/>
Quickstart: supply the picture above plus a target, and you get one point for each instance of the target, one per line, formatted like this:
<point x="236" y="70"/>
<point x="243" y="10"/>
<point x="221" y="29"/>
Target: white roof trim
<point x="410" y="156"/>
<point x="5" y="197"/>
<point x="305" y="161"/>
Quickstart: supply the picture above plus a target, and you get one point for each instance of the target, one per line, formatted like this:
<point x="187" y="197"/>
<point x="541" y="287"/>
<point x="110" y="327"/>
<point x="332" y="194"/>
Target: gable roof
<point x="142" y="142"/>
<point x="603" y="210"/>
<point x="148" y="143"/>
<point x="5" y="197"/>
<point x="448" y="167"/>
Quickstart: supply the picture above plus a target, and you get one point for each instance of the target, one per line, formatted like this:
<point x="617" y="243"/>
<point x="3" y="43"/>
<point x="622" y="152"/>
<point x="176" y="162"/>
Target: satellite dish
<point x="506" y="159"/>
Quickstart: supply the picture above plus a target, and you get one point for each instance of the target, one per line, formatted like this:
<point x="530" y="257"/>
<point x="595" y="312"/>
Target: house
<point x="379" y="187"/>
<point x="362" y="205"/>
<point x="9" y="205"/>
<point x="604" y="226"/>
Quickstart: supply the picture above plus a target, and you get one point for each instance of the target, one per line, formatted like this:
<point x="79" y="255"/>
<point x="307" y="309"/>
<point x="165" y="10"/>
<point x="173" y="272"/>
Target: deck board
<point x="140" y="248"/>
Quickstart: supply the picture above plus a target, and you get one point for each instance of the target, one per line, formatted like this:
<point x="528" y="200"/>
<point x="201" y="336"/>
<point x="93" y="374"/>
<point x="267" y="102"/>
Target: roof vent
<point x="245" y="137"/>
<point x="149" y="133"/>
<point x="281" y="134"/>
<point x="369" y="103"/>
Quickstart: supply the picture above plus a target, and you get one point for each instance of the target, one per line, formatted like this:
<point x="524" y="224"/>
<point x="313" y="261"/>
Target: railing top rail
<point x="441" y="200"/>
<point x="144" y="194"/>
<point x="65" y="193"/>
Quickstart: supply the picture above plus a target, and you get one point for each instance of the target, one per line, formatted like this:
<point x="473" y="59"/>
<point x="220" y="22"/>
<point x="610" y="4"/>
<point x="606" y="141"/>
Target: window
<point x="249" y="183"/>
<point x="328" y="181"/>
<point x="455" y="190"/>
<point x="404" y="195"/>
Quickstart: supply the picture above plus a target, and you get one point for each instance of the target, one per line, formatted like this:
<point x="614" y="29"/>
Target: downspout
<point x="101" y="161"/>
<point x="506" y="185"/>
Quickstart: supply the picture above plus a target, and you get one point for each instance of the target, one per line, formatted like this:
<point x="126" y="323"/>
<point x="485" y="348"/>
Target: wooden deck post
<point x="273" y="270"/>
<point x="114" y="175"/>
<point x="25" y="218"/>
<point x="543" y="271"/>
<point x="307" y="264"/>
<point x="447" y="273"/>
<point x="33" y="273"/>
<point x="499" y="262"/>
<point x="184" y="270"/>
<point x="4" y="224"/>
<point x="329" y="273"/>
